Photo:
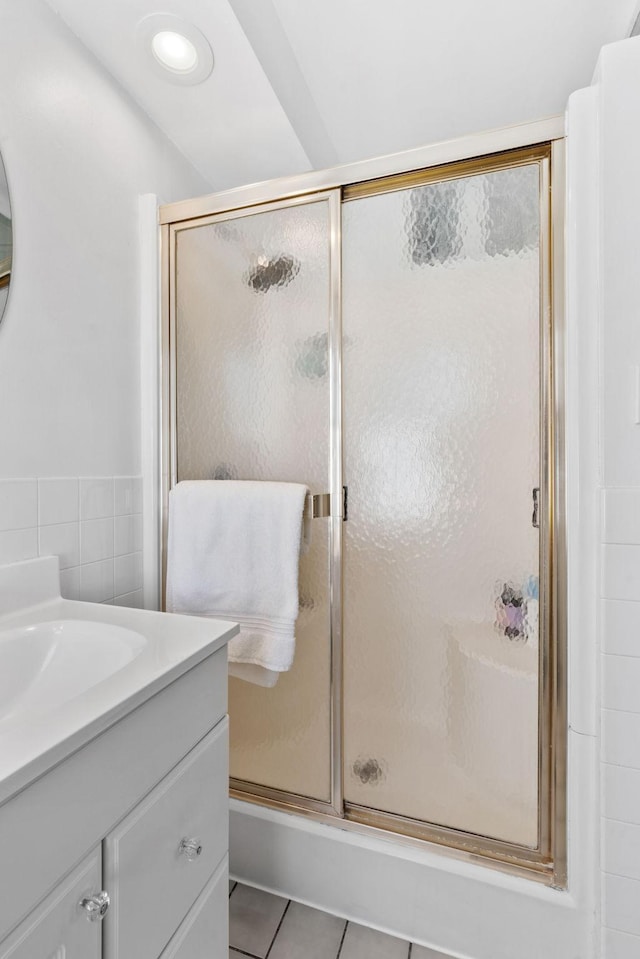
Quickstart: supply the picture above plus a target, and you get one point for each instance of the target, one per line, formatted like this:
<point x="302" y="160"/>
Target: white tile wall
<point x="619" y="945"/>
<point x="621" y="793"/>
<point x="621" y="570"/>
<point x="97" y="497"/>
<point x="96" y="538"/>
<point x="621" y="517"/>
<point x="94" y="524"/>
<point x="621" y="897"/>
<point x="17" y="544"/>
<point x="621" y="849"/>
<point x="621" y="683"/>
<point x="603" y="350"/>
<point x="127" y="571"/>
<point x="620" y="619"/>
<point x="19" y="504"/>
<point x="127" y="534"/>
<point x="621" y="627"/>
<point x="58" y="501"/>
<point x="621" y="738"/>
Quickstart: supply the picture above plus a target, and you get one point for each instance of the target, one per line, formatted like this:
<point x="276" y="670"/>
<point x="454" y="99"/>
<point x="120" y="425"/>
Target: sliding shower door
<point x="251" y="345"/>
<point x="442" y="334"/>
<point x="391" y="343"/>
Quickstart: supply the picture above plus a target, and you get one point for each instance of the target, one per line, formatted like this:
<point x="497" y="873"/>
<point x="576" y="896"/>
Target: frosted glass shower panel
<point x="252" y="309"/>
<point x="441" y="319"/>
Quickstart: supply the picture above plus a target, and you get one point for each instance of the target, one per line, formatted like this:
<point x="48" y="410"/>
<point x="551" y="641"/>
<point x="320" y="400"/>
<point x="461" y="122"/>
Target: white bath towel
<point x="233" y="554"/>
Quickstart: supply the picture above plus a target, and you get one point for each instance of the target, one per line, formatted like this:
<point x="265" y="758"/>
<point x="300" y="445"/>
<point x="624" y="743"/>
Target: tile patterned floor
<point x="264" y="926"/>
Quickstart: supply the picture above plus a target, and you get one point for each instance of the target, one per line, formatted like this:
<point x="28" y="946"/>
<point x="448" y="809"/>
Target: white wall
<point x="386" y="77"/>
<point x="78" y="152"/>
<point x="615" y="119"/>
<point x="604" y="492"/>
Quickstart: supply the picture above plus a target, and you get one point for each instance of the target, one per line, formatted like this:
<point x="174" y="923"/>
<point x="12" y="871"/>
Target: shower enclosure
<point x="391" y="342"/>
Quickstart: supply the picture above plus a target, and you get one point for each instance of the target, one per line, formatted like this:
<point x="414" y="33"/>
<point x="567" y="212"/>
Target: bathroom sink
<point x="48" y="663"/>
<point x="70" y="670"/>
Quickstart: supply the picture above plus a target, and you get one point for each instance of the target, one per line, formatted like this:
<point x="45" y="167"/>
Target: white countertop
<point x="35" y="740"/>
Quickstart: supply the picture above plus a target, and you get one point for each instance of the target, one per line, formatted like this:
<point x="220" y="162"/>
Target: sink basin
<point x="69" y="670"/>
<point x="53" y="662"/>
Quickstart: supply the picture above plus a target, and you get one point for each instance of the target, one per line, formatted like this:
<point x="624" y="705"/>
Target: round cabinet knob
<point x="191" y="848"/>
<point x="95" y="907"/>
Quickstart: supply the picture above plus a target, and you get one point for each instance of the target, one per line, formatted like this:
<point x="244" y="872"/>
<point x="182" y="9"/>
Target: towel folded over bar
<point x="233" y="554"/>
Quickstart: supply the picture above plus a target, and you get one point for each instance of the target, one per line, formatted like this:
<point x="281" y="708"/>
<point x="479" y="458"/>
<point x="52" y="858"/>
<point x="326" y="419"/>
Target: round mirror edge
<point x="6" y="239"/>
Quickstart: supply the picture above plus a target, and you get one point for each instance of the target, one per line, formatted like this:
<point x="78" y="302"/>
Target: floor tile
<point x="422" y="952"/>
<point x="254" y="917"/>
<point x="360" y="942"/>
<point x="307" y="933"/>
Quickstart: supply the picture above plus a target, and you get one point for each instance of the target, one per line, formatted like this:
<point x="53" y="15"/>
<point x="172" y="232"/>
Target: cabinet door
<point x="152" y="878"/>
<point x="58" y="928"/>
<point x="205" y="931"/>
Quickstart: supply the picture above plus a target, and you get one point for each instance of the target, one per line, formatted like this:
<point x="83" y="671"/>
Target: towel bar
<point x="317" y="505"/>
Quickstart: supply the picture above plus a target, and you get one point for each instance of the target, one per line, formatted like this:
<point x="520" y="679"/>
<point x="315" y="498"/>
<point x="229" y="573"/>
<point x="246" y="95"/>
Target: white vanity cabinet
<point x="140" y="813"/>
<point x="160" y="857"/>
<point x="58" y="928"/>
<point x="205" y="931"/>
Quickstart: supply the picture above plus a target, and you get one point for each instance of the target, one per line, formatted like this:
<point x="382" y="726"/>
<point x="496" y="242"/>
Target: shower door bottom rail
<point x="403" y="831"/>
<point x="279" y="799"/>
<point x="532" y="862"/>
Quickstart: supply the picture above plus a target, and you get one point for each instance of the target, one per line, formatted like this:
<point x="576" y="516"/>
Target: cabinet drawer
<point x="58" y="928"/>
<point x="205" y="931"/>
<point x="152" y="881"/>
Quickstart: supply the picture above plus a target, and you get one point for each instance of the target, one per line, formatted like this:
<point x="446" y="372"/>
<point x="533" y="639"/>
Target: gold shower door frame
<point x="170" y="469"/>
<point x="547" y="862"/>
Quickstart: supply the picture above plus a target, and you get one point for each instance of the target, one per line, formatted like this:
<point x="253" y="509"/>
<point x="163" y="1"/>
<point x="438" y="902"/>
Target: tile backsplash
<point x="94" y="524"/>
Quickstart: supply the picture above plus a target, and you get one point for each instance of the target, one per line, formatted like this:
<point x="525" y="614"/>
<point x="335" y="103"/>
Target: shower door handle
<point x="535" y="517"/>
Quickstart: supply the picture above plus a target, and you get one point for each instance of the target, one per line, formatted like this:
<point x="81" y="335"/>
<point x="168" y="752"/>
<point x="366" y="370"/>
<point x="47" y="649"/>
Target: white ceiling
<point x="391" y="75"/>
<point x="300" y="84"/>
<point x="231" y="126"/>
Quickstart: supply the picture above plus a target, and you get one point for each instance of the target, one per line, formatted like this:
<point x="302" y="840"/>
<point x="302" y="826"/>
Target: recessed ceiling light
<point x="176" y="50"/>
